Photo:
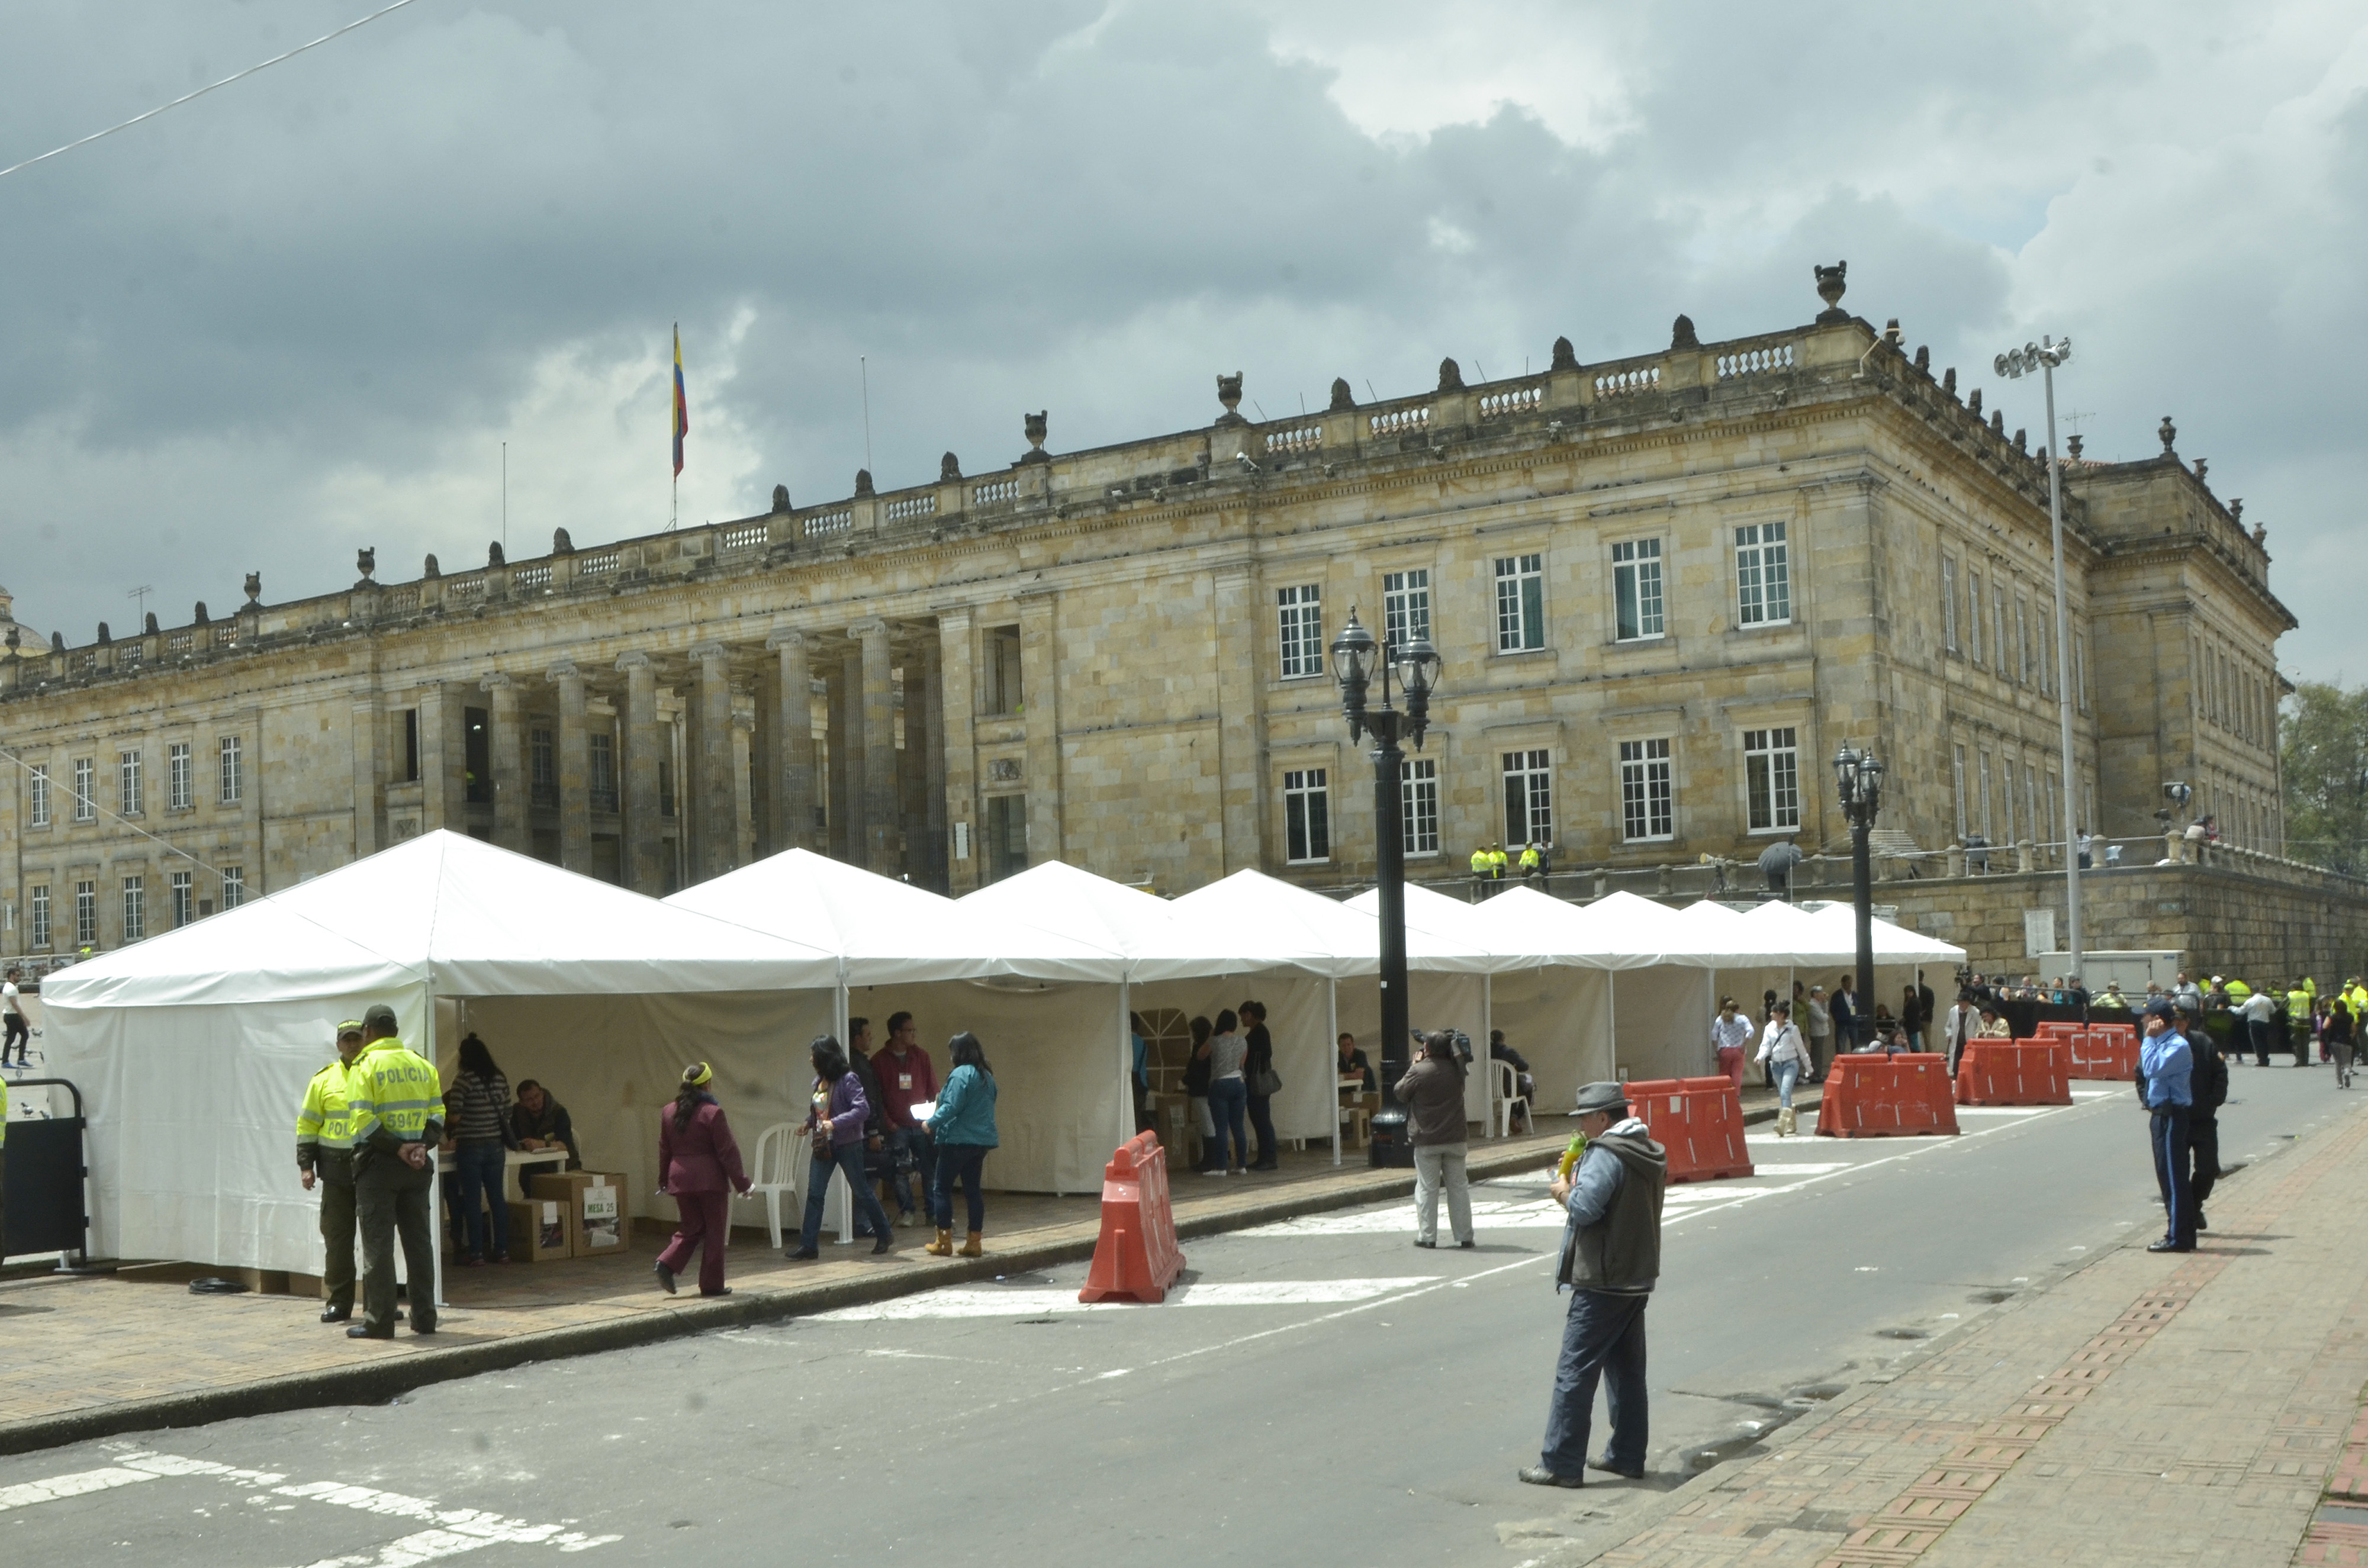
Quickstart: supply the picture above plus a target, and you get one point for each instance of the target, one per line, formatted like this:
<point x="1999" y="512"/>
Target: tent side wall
<point x="1299" y="1017"/>
<point x="1555" y="1017"/>
<point x="1663" y="1022"/>
<point x="193" y="1122"/>
<point x="1435" y="1001"/>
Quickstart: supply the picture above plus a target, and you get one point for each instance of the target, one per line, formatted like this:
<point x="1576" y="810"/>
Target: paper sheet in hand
<point x="925" y="1111"/>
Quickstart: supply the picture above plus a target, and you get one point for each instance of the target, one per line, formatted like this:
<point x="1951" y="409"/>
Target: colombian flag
<point x="681" y="403"/>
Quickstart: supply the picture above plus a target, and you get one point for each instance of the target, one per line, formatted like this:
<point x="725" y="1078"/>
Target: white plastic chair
<point x="779" y="1163"/>
<point x="1507" y="1096"/>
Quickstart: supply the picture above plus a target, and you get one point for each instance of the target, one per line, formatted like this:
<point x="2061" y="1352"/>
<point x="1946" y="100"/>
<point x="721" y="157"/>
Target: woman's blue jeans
<point x="849" y="1158"/>
<point x="958" y="1161"/>
<point x="1229" y="1101"/>
<point x="1787" y="1074"/>
<point x="480" y="1166"/>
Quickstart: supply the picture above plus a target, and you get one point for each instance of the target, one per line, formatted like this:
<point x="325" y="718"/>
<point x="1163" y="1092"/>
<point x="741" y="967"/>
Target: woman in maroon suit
<point x="700" y="1167"/>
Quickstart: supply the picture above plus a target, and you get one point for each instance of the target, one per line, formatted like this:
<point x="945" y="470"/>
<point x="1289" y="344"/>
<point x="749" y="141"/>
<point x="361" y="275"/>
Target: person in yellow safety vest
<point x="325" y="1152"/>
<point x="1497" y="862"/>
<point x="1480" y="864"/>
<point x="2300" y="1011"/>
<point x="395" y="1102"/>
<point x="1531" y="859"/>
<point x="2237" y="990"/>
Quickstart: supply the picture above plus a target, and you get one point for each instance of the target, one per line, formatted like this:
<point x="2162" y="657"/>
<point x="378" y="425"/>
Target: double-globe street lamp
<point x="1358" y="660"/>
<point x="2015" y="363"/>
<point x="1859" y="776"/>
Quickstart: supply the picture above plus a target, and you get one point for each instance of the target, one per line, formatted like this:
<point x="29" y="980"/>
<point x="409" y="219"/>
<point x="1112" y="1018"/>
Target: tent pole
<point x="1126" y="1065"/>
<point x="1332" y="1010"/>
<point x="1710" y="1005"/>
<point x="1489" y="1061"/>
<point x="436" y="1173"/>
<point x="1612" y="1024"/>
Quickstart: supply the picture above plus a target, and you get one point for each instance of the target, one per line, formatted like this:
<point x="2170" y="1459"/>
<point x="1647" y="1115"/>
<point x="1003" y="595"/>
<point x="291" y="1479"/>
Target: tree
<point x="2323" y="739"/>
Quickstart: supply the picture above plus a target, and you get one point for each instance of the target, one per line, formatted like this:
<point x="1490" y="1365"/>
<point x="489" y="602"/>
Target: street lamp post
<point x="1859" y="776"/>
<point x="2043" y="356"/>
<point x="1357" y="661"/>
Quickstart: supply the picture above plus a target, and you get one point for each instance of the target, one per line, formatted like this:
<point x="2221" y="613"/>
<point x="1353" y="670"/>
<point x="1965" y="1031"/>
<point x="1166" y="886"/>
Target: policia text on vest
<point x="324" y="1153"/>
<point x="395" y="1102"/>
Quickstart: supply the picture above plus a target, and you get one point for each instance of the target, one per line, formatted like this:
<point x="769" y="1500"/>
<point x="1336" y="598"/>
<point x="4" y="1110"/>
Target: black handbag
<point x="1266" y="1085"/>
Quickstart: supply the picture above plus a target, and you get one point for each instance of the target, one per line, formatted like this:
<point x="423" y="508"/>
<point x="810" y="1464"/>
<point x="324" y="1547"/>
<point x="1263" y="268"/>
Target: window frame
<point x="1306" y="816"/>
<point x="183" y="897"/>
<point x="1643" y="553"/>
<point x="230" y="770"/>
<point x="134" y="910"/>
<point x="1770" y="770"/>
<point x="1769" y="561"/>
<point x="233" y="886"/>
<point x="131" y="789"/>
<point x="38" y="915"/>
<point x="1418" y="783"/>
<point x="1957" y="787"/>
<point x="179" y="774"/>
<point x="1972" y="614"/>
<point x="37" y="795"/>
<point x="86" y="914"/>
<point x="1299" y="631"/>
<point x="1989" y="820"/>
<point x="86" y="789"/>
<point x="1403" y="604"/>
<point x="1533" y="767"/>
<point x="1520" y="582"/>
<point x="1949" y="606"/>
<point x="1637" y="794"/>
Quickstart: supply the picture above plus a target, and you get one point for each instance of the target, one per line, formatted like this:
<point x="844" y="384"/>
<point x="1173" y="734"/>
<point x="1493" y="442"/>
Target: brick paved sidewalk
<point x="2150" y="1409"/>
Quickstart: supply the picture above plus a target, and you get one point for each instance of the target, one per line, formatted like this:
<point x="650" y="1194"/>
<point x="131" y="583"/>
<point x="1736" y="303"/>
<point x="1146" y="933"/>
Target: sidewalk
<point x="2150" y="1409"/>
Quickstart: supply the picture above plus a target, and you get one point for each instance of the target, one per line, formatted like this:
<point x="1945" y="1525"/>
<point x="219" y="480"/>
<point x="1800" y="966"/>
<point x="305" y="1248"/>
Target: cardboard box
<point x="600" y="1221"/>
<point x="541" y="1229"/>
<point x="562" y="1187"/>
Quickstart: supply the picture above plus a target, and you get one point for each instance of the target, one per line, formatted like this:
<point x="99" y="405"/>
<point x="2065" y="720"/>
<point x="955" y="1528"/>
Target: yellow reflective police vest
<point x="2298" y="1006"/>
<point x="1497" y="862"/>
<point x="324" y="1121"/>
<point x="1480" y="862"/>
<point x="389" y="1087"/>
<point x="2237" y="990"/>
<point x="1530" y="859"/>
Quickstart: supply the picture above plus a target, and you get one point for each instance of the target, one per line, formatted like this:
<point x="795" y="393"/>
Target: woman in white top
<point x="1729" y="1033"/>
<point x="1821" y="1030"/>
<point x="1786" y="1056"/>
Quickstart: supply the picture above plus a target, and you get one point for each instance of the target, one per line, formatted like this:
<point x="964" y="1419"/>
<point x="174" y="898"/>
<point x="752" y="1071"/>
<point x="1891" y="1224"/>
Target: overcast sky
<point x="302" y="313"/>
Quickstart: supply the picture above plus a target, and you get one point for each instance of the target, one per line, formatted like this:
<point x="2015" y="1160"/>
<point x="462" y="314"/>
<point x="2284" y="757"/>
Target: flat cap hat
<point x="1601" y="1097"/>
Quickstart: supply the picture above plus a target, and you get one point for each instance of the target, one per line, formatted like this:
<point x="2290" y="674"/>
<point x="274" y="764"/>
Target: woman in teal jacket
<point x="963" y="1126"/>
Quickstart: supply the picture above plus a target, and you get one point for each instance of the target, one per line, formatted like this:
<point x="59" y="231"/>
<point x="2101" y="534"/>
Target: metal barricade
<point x="44" y="1206"/>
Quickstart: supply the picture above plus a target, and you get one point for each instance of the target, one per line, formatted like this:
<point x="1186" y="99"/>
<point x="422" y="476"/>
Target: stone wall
<point x="2240" y="914"/>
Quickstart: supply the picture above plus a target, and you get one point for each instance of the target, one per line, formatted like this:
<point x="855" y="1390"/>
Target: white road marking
<point x="1046" y="1303"/>
<point x="1965" y="1110"/>
<point x="81" y="1484"/>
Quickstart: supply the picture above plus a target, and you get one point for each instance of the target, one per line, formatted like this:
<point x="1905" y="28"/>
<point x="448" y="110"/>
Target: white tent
<point x="1014" y="983"/>
<point x="1451" y="955"/>
<point x="193" y="1048"/>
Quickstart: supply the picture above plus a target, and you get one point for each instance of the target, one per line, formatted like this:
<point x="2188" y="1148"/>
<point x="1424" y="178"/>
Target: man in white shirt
<point x="2259" y="1013"/>
<point x="12" y="1013"/>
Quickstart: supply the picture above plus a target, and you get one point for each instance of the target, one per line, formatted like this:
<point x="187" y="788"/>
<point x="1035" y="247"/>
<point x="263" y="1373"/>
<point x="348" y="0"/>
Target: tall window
<point x="1997" y="622"/>
<point x="2021" y="644"/>
<point x="1948" y="604"/>
<point x="1763" y="580"/>
<point x="1644" y="810"/>
<point x="176" y="776"/>
<point x="38" y="793"/>
<point x="2047" y="661"/>
<point x="2048" y="801"/>
<point x="602" y="759"/>
<point x="1529" y="798"/>
<point x="1306" y="816"/>
<point x="542" y="766"/>
<point x="1419" y="793"/>
<point x="2005" y="798"/>
<point x="86" y="915"/>
<point x="1636" y="588"/>
<point x="86" y="783"/>
<point x="1771" y="779"/>
<point x="1986" y="823"/>
<point x="1973" y="616"/>
<point x="232" y="779"/>
<point x="233" y="886"/>
<point x="1520" y="603"/>
<point x="1300" y="612"/>
<point x="185" y="906"/>
<point x="1405" y="606"/>
<point x="2031" y="804"/>
<point x="135" y="909"/>
<point x="2080" y="671"/>
<point x="127" y="783"/>
<point x="1957" y="784"/>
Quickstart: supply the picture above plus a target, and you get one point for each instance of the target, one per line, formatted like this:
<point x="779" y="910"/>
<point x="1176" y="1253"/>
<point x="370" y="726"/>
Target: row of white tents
<point x="193" y="1048"/>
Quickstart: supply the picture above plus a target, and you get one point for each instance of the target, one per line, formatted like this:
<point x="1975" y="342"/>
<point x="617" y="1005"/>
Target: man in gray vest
<point x="1611" y="1257"/>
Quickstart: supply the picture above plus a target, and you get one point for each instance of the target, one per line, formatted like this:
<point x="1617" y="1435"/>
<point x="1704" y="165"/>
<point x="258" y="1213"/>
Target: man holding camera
<point x="1610" y="1259"/>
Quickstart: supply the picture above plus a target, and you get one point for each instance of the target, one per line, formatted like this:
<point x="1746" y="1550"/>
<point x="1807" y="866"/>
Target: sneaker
<point x="1207" y="1171"/>
<point x="1603" y="1462"/>
<point x="1539" y="1475"/>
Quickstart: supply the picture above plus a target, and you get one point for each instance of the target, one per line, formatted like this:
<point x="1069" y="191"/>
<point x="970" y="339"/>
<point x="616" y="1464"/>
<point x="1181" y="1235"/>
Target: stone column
<point x="1040" y="690"/>
<point x="369" y="791"/>
<point x="847" y="761"/>
<point x="715" y="819"/>
<point x="793" y="791"/>
<point x="958" y="755"/>
<point x="913" y="771"/>
<point x="440" y="758"/>
<point x="931" y="745"/>
<point x="646" y="742"/>
<point x="883" y="845"/>
<point x="742" y="846"/>
<point x="575" y="769"/>
<point x="834" y="731"/>
<point x="507" y="754"/>
<point x="1239" y="609"/>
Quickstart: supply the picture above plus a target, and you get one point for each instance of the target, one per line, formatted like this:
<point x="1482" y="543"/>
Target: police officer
<point x="2209" y="1091"/>
<point x="324" y="1150"/>
<point x="395" y="1100"/>
<point x="2302" y="1004"/>
<point x="1610" y="1259"/>
<point x="2166" y="1074"/>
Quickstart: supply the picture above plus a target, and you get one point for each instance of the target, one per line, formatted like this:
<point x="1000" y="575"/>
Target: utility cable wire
<point x="201" y="92"/>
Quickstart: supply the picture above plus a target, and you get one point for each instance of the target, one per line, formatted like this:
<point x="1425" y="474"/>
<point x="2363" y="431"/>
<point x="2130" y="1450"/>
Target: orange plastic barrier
<point x="1699" y="1120"/>
<point x="2014" y="1072"/>
<point x="2058" y="1028"/>
<point x="2110" y="1052"/>
<point x="1902" y="1096"/>
<point x="1137" y="1258"/>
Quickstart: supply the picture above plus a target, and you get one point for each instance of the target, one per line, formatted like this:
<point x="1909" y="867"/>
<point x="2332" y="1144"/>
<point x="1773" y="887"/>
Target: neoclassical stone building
<point x="1665" y="589"/>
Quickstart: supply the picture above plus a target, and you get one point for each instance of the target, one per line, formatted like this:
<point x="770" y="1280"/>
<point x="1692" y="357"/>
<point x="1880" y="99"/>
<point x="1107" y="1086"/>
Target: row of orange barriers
<point x="2014" y="1072"/>
<point x="1903" y="1095"/>
<point x="2097" y="1050"/>
<point x="1698" y="1120"/>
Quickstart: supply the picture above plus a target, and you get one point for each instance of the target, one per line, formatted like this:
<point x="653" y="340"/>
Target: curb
<point x="378" y="1383"/>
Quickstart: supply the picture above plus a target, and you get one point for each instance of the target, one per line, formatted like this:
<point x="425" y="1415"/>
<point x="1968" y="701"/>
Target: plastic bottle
<point x="1570" y="1156"/>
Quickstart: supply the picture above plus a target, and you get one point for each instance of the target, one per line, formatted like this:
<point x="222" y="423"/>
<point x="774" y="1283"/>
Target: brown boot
<point x="942" y="1247"/>
<point x="970" y="1247"/>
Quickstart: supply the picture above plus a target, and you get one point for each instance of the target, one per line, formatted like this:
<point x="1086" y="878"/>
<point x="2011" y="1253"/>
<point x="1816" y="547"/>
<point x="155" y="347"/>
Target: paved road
<point x="1323" y="1392"/>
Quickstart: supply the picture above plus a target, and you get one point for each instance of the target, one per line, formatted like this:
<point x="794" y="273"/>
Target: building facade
<point x="1665" y="589"/>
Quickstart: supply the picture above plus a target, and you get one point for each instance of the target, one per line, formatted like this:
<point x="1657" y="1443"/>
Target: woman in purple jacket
<point x="836" y="1122"/>
<point x="699" y="1168"/>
